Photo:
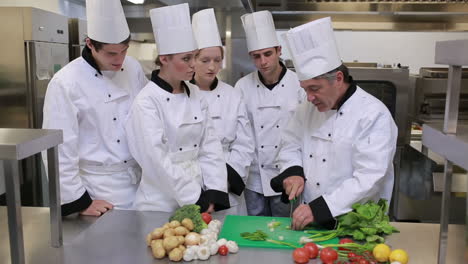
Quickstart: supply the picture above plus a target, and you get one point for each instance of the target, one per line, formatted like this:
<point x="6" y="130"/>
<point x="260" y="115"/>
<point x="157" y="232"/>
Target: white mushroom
<point x="214" y="248"/>
<point x="203" y="253"/>
<point x="221" y="242"/>
<point x="232" y="246"/>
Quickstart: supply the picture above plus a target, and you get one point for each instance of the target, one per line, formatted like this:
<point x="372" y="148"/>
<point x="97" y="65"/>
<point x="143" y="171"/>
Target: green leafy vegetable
<point x="191" y="211"/>
<point x="367" y="222"/>
<point x="259" y="235"/>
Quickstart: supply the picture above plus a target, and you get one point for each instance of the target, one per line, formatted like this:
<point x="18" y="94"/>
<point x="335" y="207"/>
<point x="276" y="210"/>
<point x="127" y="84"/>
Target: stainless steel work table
<point x="118" y="237"/>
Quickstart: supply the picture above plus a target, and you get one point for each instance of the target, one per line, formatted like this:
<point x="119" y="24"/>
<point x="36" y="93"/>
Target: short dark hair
<point x="98" y="45"/>
<point x="331" y="74"/>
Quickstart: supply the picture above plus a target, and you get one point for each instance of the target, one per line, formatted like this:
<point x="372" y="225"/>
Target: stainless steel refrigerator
<point x="34" y="47"/>
<point x="78" y="32"/>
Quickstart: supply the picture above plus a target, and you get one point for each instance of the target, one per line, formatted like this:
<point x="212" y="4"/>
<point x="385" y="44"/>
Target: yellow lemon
<point x="381" y="252"/>
<point x="399" y="255"/>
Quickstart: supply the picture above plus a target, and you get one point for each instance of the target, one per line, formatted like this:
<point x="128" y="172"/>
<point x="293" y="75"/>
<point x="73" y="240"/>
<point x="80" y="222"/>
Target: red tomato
<point x="223" y="250"/>
<point x="363" y="261"/>
<point x="345" y="241"/>
<point x="313" y="250"/>
<point x="352" y="256"/>
<point x="301" y="255"/>
<point x="328" y="255"/>
<point x="206" y="217"/>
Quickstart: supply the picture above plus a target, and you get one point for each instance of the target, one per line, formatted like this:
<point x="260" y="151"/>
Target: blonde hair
<point x="222" y="52"/>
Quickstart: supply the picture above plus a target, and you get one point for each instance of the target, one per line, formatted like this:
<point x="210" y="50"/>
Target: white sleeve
<point x="372" y="157"/>
<point x="242" y="148"/>
<point x="147" y="143"/>
<point x="61" y="113"/>
<point x="290" y="153"/>
<point x="212" y="163"/>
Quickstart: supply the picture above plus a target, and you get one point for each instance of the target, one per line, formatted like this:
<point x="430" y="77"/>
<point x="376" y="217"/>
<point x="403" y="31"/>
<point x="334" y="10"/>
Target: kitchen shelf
<point x="453" y="147"/>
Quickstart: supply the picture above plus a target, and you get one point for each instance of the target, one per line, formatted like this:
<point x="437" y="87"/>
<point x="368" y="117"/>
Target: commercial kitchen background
<point x="388" y="45"/>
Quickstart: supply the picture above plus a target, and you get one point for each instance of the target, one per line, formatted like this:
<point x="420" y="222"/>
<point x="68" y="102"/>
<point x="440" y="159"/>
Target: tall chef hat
<point x="205" y="29"/>
<point x="172" y="29"/>
<point x="260" y="30"/>
<point x="313" y="48"/>
<point x="106" y="21"/>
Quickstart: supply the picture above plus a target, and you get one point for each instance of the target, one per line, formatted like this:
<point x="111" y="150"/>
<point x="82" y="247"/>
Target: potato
<point x="157" y="233"/>
<point x="182" y="248"/>
<point x="170" y="243"/>
<point x="148" y="239"/>
<point x="158" y="252"/>
<point x="169" y="232"/>
<point x="176" y="254"/>
<point x="181" y="231"/>
<point x="166" y="226"/>
<point x="174" y="224"/>
<point x="187" y="223"/>
<point x="181" y="240"/>
<point x="157" y="243"/>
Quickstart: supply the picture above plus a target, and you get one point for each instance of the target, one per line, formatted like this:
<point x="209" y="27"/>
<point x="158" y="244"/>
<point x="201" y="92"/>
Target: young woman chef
<point x="169" y="130"/>
<point x="226" y="107"/>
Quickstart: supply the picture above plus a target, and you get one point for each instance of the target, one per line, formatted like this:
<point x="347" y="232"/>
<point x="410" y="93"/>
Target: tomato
<point x="352" y="256"/>
<point x="223" y="250"/>
<point x="328" y="255"/>
<point x="313" y="250"/>
<point x="363" y="261"/>
<point x="345" y="241"/>
<point x="206" y="217"/>
<point x="301" y="255"/>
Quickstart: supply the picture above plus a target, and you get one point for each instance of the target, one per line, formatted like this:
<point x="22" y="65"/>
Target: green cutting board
<point x="234" y="225"/>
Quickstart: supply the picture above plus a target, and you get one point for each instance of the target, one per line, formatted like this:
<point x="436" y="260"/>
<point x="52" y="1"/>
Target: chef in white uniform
<point x="226" y="107"/>
<point x="170" y="131"/>
<point x="338" y="149"/>
<point x="271" y="94"/>
<point x="89" y="100"/>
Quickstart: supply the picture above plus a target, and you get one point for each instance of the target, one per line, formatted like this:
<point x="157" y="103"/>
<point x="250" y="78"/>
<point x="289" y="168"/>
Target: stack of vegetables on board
<point x="189" y="235"/>
<point x="362" y="234"/>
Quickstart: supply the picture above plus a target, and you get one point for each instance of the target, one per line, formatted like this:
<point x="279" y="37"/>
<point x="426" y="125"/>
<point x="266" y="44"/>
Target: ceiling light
<point x="136" y="1"/>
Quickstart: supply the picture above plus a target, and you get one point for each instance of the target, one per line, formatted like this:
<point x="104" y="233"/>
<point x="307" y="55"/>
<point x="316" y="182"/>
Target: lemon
<point x="399" y="255"/>
<point x="381" y="252"/>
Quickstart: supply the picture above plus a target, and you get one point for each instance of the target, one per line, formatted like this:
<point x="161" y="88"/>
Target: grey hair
<point x="329" y="76"/>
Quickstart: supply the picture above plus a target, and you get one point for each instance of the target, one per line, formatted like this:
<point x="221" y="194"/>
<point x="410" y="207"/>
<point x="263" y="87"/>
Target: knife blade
<point x="291" y="207"/>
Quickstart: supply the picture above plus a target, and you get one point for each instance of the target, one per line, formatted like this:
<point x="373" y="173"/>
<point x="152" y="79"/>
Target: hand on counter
<point x="97" y="208"/>
<point x="210" y="209"/>
<point x="293" y="186"/>
<point x="302" y="216"/>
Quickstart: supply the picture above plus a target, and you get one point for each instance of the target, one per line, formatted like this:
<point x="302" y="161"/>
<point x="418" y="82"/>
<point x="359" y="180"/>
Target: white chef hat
<point x="205" y="29"/>
<point x="313" y="49"/>
<point x="106" y="21"/>
<point x="259" y="30"/>
<point x="172" y="29"/>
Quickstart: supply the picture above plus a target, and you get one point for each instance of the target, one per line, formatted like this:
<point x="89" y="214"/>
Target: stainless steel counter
<point x="119" y="237"/>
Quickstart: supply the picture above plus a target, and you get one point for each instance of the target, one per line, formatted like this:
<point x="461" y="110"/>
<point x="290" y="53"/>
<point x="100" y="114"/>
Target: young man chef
<point x="89" y="100"/>
<point x="338" y="149"/>
<point x="271" y="95"/>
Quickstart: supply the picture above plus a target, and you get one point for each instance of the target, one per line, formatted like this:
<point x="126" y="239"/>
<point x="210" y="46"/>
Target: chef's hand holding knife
<point x="302" y="216"/>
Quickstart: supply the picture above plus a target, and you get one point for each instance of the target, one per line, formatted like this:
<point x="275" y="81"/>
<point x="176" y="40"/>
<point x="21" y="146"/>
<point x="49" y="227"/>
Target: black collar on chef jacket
<point x="271" y="86"/>
<point x="88" y="57"/>
<point x="213" y="85"/>
<point x="349" y="92"/>
<point x="164" y="85"/>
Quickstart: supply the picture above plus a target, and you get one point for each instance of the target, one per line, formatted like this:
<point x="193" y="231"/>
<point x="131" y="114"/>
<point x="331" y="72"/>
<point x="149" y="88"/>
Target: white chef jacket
<point x="347" y="154"/>
<point x="269" y="111"/>
<point x="91" y="109"/>
<point x="173" y="139"/>
<point x="229" y="115"/>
